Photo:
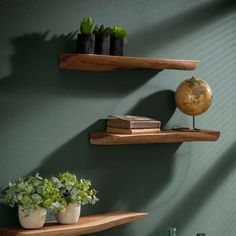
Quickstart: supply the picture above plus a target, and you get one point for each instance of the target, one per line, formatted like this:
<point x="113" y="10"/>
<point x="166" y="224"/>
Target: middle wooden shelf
<point x="165" y="136"/>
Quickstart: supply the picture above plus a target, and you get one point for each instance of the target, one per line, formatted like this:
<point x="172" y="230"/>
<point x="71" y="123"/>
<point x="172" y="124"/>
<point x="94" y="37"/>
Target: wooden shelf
<point x="86" y="225"/>
<point x="92" y="62"/>
<point x="166" y="136"/>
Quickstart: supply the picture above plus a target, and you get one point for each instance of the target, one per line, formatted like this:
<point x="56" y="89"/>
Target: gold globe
<point x="193" y="96"/>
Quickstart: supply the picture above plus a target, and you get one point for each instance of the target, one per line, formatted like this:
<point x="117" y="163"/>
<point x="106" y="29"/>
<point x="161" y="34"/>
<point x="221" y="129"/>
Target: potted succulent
<point x="76" y="192"/>
<point x="118" y="35"/>
<point x="33" y="195"/>
<point x="102" y="41"/>
<point x="86" y="39"/>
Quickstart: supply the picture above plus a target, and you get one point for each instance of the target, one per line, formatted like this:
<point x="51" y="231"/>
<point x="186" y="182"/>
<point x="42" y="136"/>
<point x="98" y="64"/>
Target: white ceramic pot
<point x="70" y="215"/>
<point x="34" y="220"/>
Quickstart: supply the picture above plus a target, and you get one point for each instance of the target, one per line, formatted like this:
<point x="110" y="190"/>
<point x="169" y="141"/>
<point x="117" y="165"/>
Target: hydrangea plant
<point x="75" y="190"/>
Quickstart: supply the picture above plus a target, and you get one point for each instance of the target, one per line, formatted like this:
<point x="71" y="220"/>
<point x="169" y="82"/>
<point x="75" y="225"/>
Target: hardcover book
<point x="133" y="122"/>
<point x="114" y="130"/>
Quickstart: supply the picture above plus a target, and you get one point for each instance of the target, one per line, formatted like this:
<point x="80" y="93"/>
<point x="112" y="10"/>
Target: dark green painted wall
<point x="47" y="114"/>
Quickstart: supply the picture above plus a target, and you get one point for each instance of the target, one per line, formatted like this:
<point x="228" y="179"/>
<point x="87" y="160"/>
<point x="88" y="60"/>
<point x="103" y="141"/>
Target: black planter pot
<point x="102" y="45"/>
<point x="117" y="46"/>
<point x="85" y="43"/>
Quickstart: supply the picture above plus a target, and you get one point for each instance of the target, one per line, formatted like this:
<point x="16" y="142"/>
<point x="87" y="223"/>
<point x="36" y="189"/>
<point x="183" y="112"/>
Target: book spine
<point x="118" y="124"/>
<point x="145" y="131"/>
<point x="133" y="125"/>
<point x="143" y="125"/>
<point x="131" y="131"/>
<point x="114" y="130"/>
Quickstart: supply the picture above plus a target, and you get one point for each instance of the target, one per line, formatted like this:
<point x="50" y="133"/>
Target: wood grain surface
<point x="93" y="62"/>
<point x="166" y="136"/>
<point x="86" y="225"/>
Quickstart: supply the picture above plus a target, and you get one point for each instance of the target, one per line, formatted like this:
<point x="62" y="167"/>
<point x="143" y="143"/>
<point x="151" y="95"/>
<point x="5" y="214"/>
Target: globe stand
<point x="186" y="129"/>
<point x="194" y="128"/>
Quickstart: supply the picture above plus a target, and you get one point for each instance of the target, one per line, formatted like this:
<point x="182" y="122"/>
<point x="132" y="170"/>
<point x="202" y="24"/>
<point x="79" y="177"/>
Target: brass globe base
<point x="186" y="129"/>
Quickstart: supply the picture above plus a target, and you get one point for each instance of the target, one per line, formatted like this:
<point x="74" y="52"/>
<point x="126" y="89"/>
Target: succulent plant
<point x="102" y="30"/>
<point x="87" y="26"/>
<point x="119" y="32"/>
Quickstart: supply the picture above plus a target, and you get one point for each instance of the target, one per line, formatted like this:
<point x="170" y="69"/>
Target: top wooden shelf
<point x="93" y="62"/>
<point x="85" y="225"/>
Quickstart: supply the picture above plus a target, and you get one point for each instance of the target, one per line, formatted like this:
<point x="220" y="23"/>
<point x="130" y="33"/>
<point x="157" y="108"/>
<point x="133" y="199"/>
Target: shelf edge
<point x="93" y="62"/>
<point x="103" y="138"/>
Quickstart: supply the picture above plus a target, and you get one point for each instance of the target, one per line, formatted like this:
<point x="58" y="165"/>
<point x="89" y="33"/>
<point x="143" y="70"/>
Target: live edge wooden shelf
<point x="166" y="136"/>
<point x="93" y="62"/>
<point x="86" y="225"/>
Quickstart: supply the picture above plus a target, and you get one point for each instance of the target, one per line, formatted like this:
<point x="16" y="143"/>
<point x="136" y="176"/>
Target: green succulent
<point x="118" y="32"/>
<point x="105" y="31"/>
<point x="32" y="193"/>
<point x="87" y="26"/>
<point x="76" y="190"/>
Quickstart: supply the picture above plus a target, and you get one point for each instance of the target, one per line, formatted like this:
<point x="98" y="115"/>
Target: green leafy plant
<point x="118" y="32"/>
<point x="52" y="194"/>
<point x="87" y="26"/>
<point x="53" y="200"/>
<point x="76" y="190"/>
<point x="32" y="193"/>
<point x="102" y="30"/>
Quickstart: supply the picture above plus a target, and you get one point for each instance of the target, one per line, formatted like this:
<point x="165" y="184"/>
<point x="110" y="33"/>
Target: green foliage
<point x="32" y="193"/>
<point x="53" y="200"/>
<point x="76" y="190"/>
<point x="52" y="194"/>
<point x="104" y="31"/>
<point x="87" y="25"/>
<point x="118" y="32"/>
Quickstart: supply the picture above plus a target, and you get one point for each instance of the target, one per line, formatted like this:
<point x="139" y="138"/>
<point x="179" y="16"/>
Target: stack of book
<point x="132" y="125"/>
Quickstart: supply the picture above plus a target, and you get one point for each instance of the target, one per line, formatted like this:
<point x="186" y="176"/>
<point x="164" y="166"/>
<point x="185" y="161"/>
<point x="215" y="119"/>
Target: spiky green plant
<point x="119" y="32"/>
<point x="102" y="30"/>
<point x="87" y="26"/>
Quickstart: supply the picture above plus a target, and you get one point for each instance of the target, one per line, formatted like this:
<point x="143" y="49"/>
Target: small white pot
<point x="34" y="220"/>
<point x="70" y="215"/>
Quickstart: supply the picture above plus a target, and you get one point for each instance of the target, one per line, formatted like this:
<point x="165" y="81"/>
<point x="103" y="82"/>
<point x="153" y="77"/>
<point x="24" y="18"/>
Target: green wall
<point x="47" y="114"/>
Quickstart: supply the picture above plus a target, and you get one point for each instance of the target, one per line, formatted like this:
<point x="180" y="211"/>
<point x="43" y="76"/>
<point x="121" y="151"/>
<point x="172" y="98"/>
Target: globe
<point x="193" y="97"/>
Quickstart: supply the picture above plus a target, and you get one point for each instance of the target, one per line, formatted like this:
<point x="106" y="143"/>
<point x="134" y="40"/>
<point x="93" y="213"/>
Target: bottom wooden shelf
<point x="85" y="225"/>
<point x="166" y="136"/>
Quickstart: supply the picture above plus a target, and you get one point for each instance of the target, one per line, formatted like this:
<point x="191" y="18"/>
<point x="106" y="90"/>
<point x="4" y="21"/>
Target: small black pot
<point x="102" y="45"/>
<point x="117" y="46"/>
<point x="85" y="43"/>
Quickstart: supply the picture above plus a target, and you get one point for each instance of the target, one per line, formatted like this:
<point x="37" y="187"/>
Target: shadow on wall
<point x="127" y="177"/>
<point x="35" y="69"/>
<point x="179" y="26"/>
<point x="121" y="173"/>
<point x="160" y="105"/>
<point x="35" y="73"/>
<point x="9" y="215"/>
